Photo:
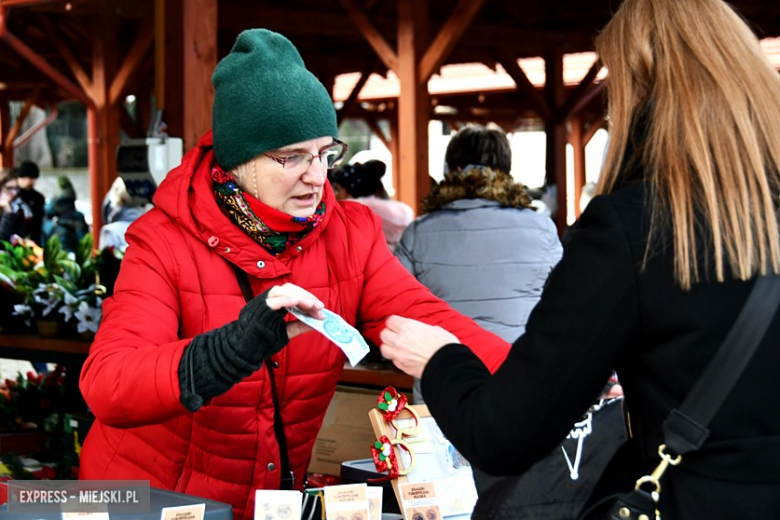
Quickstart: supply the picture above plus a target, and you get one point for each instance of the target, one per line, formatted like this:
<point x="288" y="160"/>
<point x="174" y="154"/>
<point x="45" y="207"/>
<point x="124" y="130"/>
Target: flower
<point x="88" y="316"/>
<point x="69" y="305"/>
<point x="48" y="297"/>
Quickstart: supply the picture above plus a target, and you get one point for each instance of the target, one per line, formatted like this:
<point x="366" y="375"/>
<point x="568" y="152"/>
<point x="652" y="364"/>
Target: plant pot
<point x="48" y="328"/>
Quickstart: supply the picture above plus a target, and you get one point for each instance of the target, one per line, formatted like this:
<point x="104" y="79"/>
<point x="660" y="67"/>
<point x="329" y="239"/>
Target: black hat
<point x="28" y="169"/>
<point x="360" y="179"/>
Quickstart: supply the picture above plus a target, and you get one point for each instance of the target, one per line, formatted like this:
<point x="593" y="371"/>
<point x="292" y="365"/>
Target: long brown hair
<point x="712" y="143"/>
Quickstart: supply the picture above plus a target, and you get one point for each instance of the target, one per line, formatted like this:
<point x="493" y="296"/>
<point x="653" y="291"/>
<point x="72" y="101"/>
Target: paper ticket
<point x="333" y="327"/>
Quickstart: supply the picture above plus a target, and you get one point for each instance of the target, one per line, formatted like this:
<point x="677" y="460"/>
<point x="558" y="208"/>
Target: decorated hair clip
<point x="385" y="460"/>
<point x="391" y="403"/>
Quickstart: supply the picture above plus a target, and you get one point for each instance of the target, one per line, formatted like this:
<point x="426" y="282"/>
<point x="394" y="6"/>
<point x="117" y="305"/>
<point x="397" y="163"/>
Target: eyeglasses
<point x="331" y="156"/>
<point x="12" y="189"/>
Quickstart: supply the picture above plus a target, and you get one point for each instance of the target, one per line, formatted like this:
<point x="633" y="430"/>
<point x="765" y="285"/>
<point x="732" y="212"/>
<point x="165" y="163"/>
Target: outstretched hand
<point x="289" y="295"/>
<point x="409" y="344"/>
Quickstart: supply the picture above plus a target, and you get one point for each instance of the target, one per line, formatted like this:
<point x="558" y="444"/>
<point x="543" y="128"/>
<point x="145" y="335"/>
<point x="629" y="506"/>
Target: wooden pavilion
<point x="164" y="51"/>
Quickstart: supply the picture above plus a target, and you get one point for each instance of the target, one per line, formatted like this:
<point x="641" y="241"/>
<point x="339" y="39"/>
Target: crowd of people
<point x="26" y="213"/>
<point x="201" y="381"/>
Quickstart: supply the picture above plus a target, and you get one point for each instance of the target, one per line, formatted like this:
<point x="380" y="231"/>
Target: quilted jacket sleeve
<point x="390" y="289"/>
<point x="130" y="376"/>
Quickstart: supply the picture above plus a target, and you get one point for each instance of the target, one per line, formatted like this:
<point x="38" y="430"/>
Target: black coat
<point x="601" y="311"/>
<point x="36" y="201"/>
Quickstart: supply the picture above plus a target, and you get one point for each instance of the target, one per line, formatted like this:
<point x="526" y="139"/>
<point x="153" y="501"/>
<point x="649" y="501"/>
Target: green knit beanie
<point x="264" y="99"/>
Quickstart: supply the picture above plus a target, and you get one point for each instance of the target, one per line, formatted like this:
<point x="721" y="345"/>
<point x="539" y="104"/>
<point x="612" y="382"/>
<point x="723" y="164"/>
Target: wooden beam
<point x="590" y="94"/>
<point x="524" y="84"/>
<point x="133" y="59"/>
<point x="371" y="34"/>
<point x="14" y="131"/>
<point x="159" y="53"/>
<point x="6" y="156"/>
<point x="200" y="60"/>
<point x="396" y="155"/>
<point x="448" y="36"/>
<point x="373" y="124"/>
<point x="594" y="125"/>
<point x="85" y="82"/>
<point x="578" y="147"/>
<point x="17" y="3"/>
<point x="556" y="134"/>
<point x="413" y="104"/>
<point x="106" y="115"/>
<point x="523" y="42"/>
<point x="39" y="62"/>
<point x="582" y="90"/>
<point x="175" y="82"/>
<point x="352" y="99"/>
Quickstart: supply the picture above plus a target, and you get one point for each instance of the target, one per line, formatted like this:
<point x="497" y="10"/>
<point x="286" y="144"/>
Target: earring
<point x="254" y="176"/>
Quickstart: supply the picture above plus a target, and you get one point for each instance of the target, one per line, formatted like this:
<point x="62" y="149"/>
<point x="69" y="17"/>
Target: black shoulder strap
<point x="288" y="477"/>
<point x="685" y="429"/>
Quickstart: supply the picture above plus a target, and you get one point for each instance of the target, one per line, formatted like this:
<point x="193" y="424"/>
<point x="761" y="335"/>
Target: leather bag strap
<point x="685" y="429"/>
<point x="288" y="477"/>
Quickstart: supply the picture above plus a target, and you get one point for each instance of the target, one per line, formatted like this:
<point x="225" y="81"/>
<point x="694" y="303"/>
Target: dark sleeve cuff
<point x="438" y="373"/>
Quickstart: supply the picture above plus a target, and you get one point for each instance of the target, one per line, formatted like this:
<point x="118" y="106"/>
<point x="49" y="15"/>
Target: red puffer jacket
<point x="176" y="282"/>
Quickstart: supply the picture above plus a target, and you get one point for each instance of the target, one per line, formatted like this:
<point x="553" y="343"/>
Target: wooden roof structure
<point x="164" y="51"/>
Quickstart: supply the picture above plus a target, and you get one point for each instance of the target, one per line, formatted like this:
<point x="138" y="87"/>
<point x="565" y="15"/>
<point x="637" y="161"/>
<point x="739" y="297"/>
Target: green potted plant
<point x="55" y="290"/>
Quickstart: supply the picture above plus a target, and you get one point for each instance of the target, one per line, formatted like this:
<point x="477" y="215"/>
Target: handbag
<point x="685" y="428"/>
<point x="557" y="486"/>
<point x="311" y="506"/>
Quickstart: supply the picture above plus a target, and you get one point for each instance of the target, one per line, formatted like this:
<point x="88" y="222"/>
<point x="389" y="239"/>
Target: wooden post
<point x="578" y="144"/>
<point x="413" y="104"/>
<point x="393" y="121"/>
<point x="190" y="59"/>
<point x="200" y="60"/>
<point x="106" y="118"/>
<point x="6" y="157"/>
<point x="556" y="133"/>
<point x="174" y="85"/>
<point x="13" y="133"/>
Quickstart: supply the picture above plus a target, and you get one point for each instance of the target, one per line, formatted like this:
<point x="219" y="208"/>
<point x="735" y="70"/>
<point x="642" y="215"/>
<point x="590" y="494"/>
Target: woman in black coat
<point x="653" y="275"/>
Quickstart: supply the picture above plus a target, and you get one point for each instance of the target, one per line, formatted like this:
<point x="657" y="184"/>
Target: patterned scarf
<point x="276" y="231"/>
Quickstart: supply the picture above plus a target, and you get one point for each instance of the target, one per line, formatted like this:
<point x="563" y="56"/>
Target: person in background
<point x="119" y="211"/>
<point x="18" y="217"/>
<point x="10" y="220"/>
<point x="195" y="346"/>
<point x="362" y="182"/>
<point x="27" y="174"/>
<point x="653" y="275"/>
<point x="480" y="246"/>
<point x="62" y="217"/>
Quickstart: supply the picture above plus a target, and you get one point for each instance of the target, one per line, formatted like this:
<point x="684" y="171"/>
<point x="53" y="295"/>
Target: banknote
<point x="333" y="327"/>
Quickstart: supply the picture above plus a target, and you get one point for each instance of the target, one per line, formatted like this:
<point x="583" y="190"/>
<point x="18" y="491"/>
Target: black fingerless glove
<point x="218" y="359"/>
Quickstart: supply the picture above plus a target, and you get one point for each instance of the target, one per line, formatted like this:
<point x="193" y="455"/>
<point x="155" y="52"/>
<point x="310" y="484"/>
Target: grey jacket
<point x="488" y="262"/>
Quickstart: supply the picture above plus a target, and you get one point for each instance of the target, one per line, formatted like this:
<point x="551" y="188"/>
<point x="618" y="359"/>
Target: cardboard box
<point x="346" y="432"/>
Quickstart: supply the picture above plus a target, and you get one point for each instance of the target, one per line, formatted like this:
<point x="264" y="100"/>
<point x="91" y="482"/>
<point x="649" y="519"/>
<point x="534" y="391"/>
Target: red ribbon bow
<point x="384" y="459"/>
<point x="391" y="402"/>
